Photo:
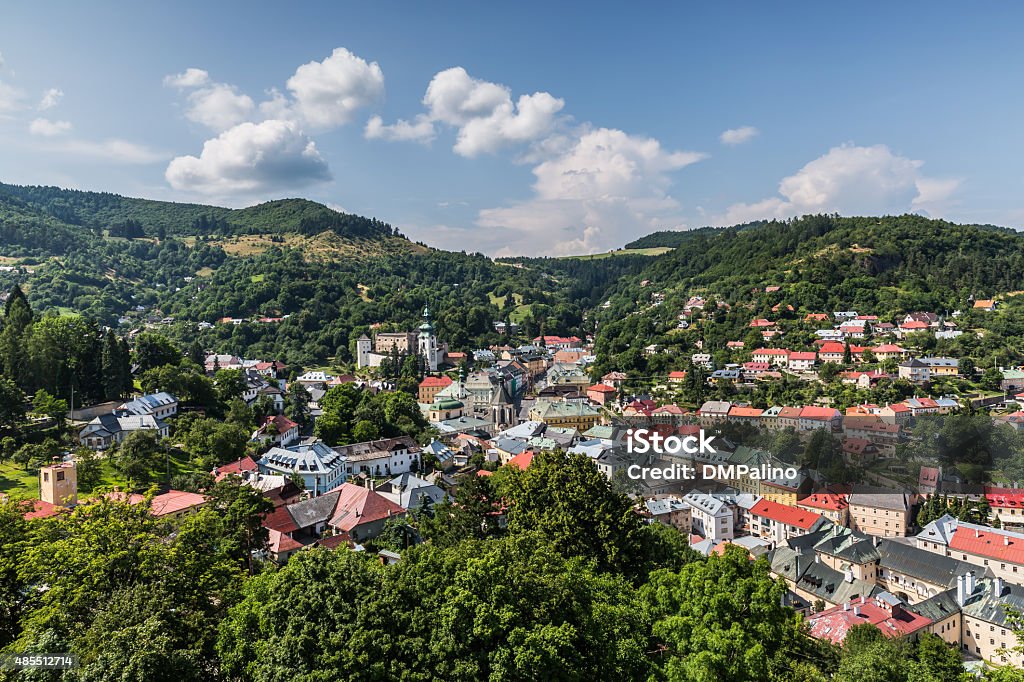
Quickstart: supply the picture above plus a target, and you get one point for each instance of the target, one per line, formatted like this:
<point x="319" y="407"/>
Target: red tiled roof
<point x="800" y="355"/>
<point x="678" y="374"/>
<point x="522" y="461"/>
<point x="283" y="423"/>
<point x="789" y="413"/>
<point x="820" y="413"/>
<point x="1012" y="498"/>
<point x="771" y="351"/>
<point x="245" y="464"/>
<point x="602" y="388"/>
<point x="279" y="542"/>
<point x="829" y="501"/>
<point x="174" y="501"/>
<point x="430" y="382"/>
<point x="887" y="348"/>
<point x="669" y="409"/>
<point x="358" y="505"/>
<point x="42" y="510"/>
<point x="791" y="516"/>
<point x="484" y="472"/>
<point x="735" y="411"/>
<point x="280" y="520"/>
<point x="833" y="624"/>
<point x="914" y="325"/>
<point x="988" y="542"/>
<point x="761" y="322"/>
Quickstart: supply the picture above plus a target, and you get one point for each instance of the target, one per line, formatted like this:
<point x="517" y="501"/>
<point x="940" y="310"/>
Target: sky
<point x="526" y="128"/>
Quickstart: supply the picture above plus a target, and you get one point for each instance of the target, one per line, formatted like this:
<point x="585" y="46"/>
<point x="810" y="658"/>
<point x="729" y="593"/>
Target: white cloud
<point x="217" y="106"/>
<point x="328" y="93"/>
<point x="11" y="98"/>
<point x="50" y="99"/>
<point x="418" y="130"/>
<point x="47" y="128"/>
<point x="251" y="158"/>
<point x="850" y="180"/>
<point x="189" y="78"/>
<point x="483" y="113"/>
<point x="735" y="136"/>
<point x="604" y="190"/>
<point x="112" y="150"/>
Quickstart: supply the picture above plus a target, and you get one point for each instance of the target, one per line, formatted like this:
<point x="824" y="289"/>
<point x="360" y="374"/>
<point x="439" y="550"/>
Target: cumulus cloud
<point x="421" y="129"/>
<point x="189" y="78"/>
<point x="482" y="112"/>
<point x="602" y="191"/>
<point x="328" y="93"/>
<point x="217" y="106"/>
<point x="47" y="128"/>
<point x="251" y="158"/>
<point x="851" y="180"/>
<point x="50" y="99"/>
<point x="735" y="136"/>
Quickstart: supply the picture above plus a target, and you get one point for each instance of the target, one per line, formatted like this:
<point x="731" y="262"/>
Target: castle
<point x="424" y="343"/>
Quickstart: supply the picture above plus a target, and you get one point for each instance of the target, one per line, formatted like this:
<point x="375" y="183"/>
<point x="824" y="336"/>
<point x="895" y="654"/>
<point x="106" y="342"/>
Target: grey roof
<point x="921" y="564"/>
<point x="313" y="458"/>
<point x="984" y="605"/>
<point x="309" y="512"/>
<point x="831" y="585"/>
<point x="880" y="498"/>
<point x="149" y="403"/>
<point x="939" y="530"/>
<point x="939" y="606"/>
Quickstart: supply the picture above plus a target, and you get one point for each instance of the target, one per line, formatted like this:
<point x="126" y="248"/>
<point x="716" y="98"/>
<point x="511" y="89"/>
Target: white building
<point x="711" y="517"/>
<point x="320" y="467"/>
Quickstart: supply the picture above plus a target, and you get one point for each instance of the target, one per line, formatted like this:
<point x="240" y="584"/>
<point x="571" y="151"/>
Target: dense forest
<point x="676" y="238"/>
<point x="323" y="276"/>
<point x="883" y="266"/>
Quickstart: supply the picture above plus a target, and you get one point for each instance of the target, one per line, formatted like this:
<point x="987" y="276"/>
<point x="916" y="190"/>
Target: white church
<point x="426" y="346"/>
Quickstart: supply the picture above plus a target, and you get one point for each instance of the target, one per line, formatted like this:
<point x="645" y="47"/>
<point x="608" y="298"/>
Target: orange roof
<point x="771" y="351"/>
<point x="358" y="505"/>
<point x="679" y="374"/>
<point x="602" y="388"/>
<point x="987" y="542"/>
<point x="984" y="303"/>
<point x="828" y="501"/>
<point x="279" y="542"/>
<point x="430" y="382"/>
<point x="782" y="513"/>
<point x="789" y="412"/>
<point x="814" y="412"/>
<point x="245" y="464"/>
<point x="42" y="510"/>
<point x="522" y="460"/>
<point x="484" y="472"/>
<point x="735" y="411"/>
<point x="174" y="501"/>
<point x="887" y="348"/>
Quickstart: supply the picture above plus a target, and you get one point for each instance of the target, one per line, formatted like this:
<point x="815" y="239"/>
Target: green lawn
<point x="255" y="279"/>
<point x="520" y="312"/>
<point x="650" y="251"/>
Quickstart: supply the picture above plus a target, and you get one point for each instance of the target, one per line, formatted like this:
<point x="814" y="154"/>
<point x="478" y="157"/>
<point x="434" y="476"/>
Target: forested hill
<point x="321" y="277"/>
<point x="882" y="266"/>
<point x="676" y="238"/>
<point x="115" y="215"/>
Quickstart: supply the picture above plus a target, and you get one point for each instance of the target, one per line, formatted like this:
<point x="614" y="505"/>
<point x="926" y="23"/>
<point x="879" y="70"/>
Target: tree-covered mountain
<point x="882" y="266"/>
<point x="676" y="238"/>
<point x="325" y="277"/>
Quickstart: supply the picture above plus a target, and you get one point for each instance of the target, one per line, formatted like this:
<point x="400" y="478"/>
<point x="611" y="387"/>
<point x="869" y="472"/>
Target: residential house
<point x="915" y="371"/>
<point x="277" y="430"/>
<point x="802" y="361"/>
<point x="985" y="304"/>
<point x="778" y="523"/>
<point x="671" y="511"/>
<point x="714" y="411"/>
<point x="778" y="357"/>
<point x="108" y="429"/>
<point x="832" y="506"/>
<point x="576" y="414"/>
<point x="601" y="393"/>
<point x="384" y="457"/>
<point x="998" y="550"/>
<point x="880" y="511"/>
<point x="711" y="517"/>
<point x="813" y="417"/>
<point x="320" y="467"/>
<point x="430" y="386"/>
<point x="160" y="405"/>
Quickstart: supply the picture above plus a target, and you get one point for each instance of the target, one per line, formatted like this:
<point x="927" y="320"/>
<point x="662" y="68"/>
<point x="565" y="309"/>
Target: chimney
<point x="846" y="606"/>
<point x="848" y="575"/>
<point x="1006" y="540"/>
<point x="961" y="596"/>
<point x="977" y="533"/>
<point x="997" y="587"/>
<point x="874" y="540"/>
<point x="856" y="610"/>
<point x="969" y="583"/>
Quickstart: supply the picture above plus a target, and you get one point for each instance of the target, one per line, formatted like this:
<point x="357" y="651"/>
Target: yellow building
<point x="575" y="414"/>
<point x="58" y="484"/>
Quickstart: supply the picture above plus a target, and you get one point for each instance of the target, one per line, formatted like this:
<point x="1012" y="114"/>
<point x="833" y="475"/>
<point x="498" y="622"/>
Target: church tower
<point x="363" y="348"/>
<point x="503" y="406"/>
<point x="427" y="342"/>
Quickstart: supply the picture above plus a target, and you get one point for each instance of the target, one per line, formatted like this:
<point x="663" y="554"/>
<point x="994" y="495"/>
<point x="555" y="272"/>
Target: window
<point x="60" y="475"/>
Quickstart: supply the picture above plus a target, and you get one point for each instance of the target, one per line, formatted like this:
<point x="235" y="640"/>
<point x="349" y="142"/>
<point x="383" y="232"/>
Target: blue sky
<point x="543" y="128"/>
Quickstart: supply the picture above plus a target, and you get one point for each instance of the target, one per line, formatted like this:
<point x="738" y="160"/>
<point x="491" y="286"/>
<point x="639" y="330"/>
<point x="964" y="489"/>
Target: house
<point x="601" y="393"/>
<point x="915" y="371"/>
<point x="241" y="467"/>
<point x="873" y="429"/>
<point x="615" y="379"/>
<point x="745" y="415"/>
<point x="320" y="467"/>
<point x="724" y="376"/>
<point x="577" y="414"/>
<point x="912" y="327"/>
<point x="885" y="611"/>
<point x="813" y="417"/>
<point x="860" y="450"/>
<point x="998" y="550"/>
<point x="985" y="304"/>
<point x="1007" y="505"/>
<point x="385" y="457"/>
<point x="108" y="429"/>
<point x="702" y="360"/>
<point x="778" y="523"/>
<point x="863" y="379"/>
<point x="888" y="351"/>
<point x="176" y="504"/>
<point x="713" y="411"/>
<point x="988" y="626"/>
<point x="802" y="361"/>
<point x="676" y="377"/>
<point x="160" y="405"/>
<point x="558" y="342"/>
<point x="1013" y="380"/>
<point x="832" y="506"/>
<point x="350" y="511"/>
<point x="277" y="430"/>
<point x="430" y="386"/>
<point x="711" y="517"/>
<point x="412" y="492"/>
<point x="778" y="357"/>
<point x="671" y="511"/>
<point x="880" y="511"/>
<point x="942" y="367"/>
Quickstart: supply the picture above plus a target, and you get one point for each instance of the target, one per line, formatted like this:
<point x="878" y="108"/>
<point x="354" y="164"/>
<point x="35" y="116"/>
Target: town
<point x="871" y="525"/>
